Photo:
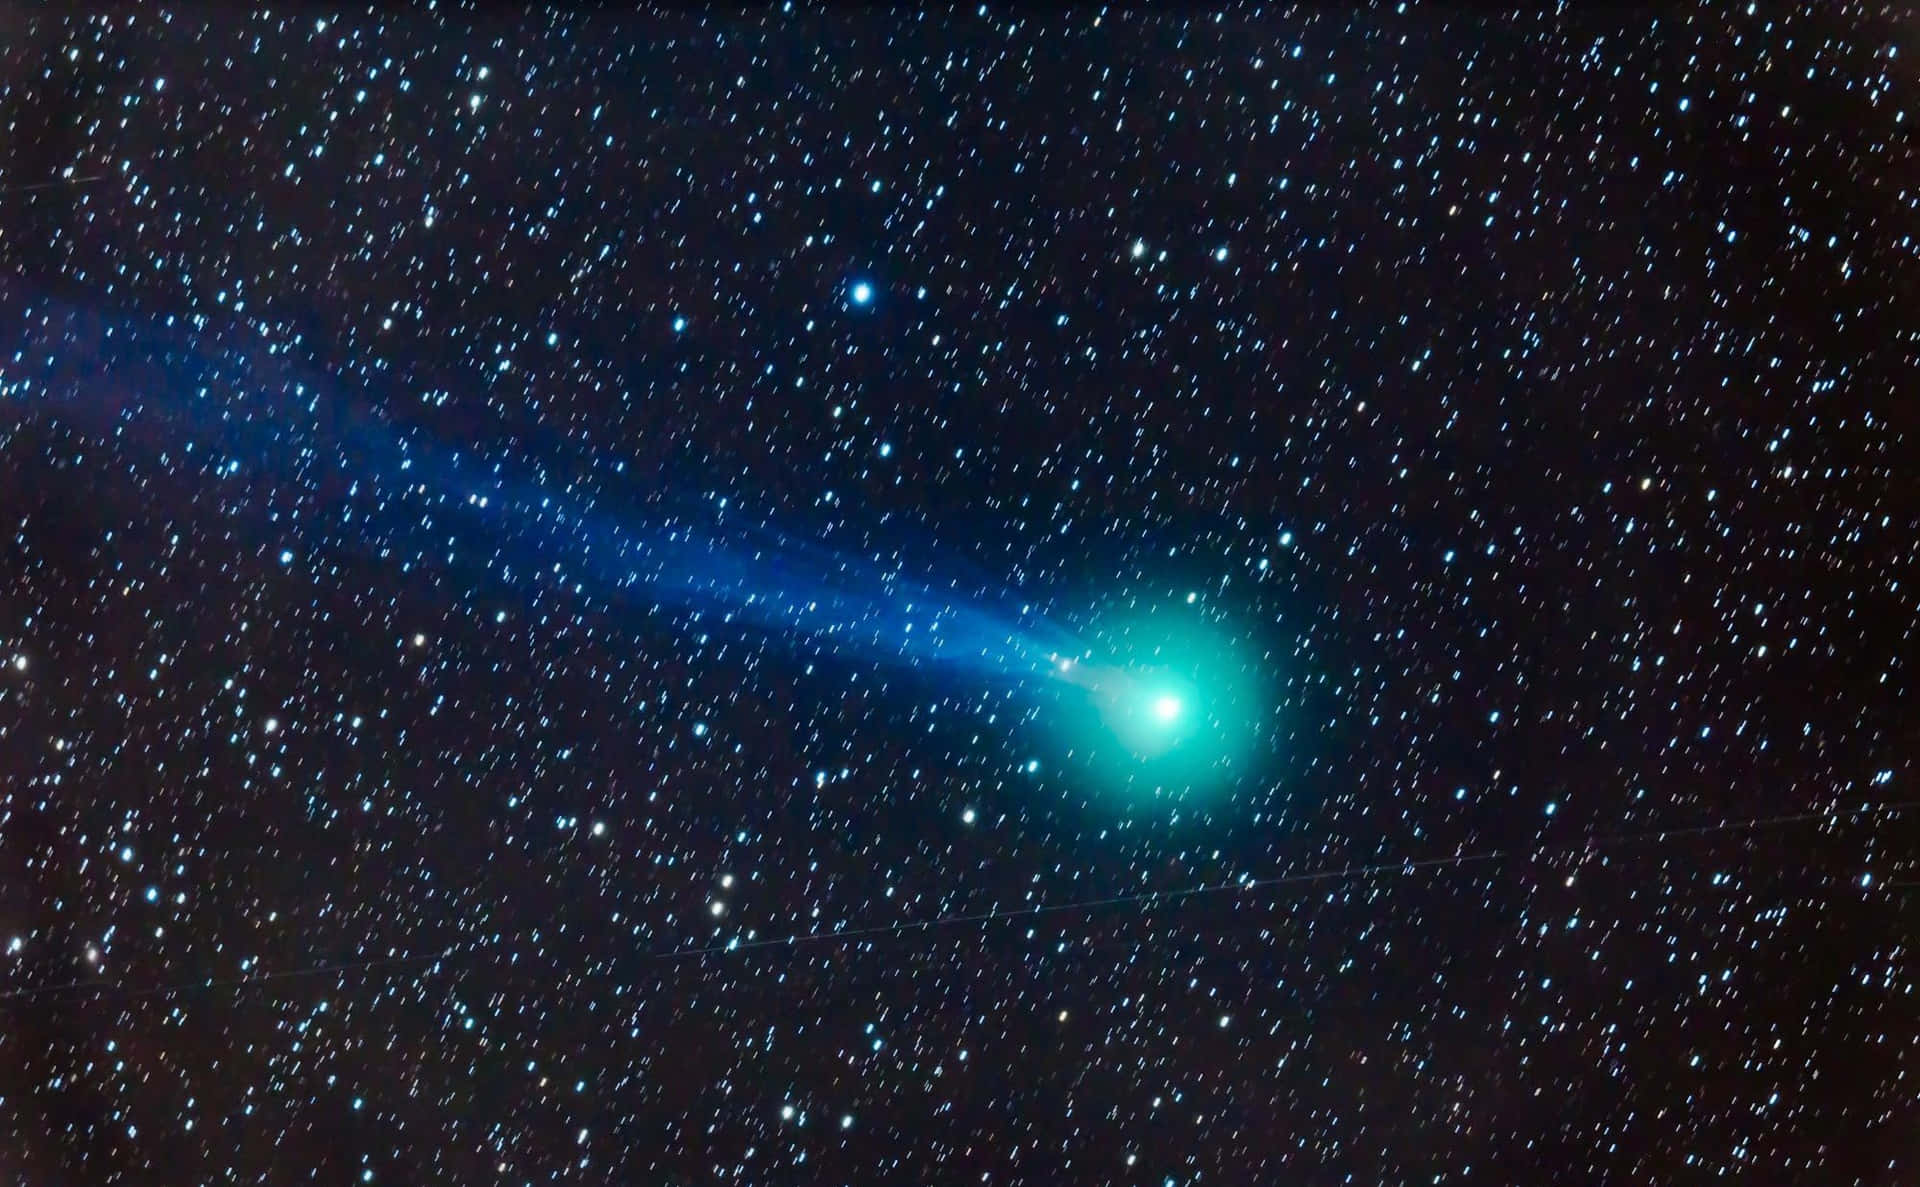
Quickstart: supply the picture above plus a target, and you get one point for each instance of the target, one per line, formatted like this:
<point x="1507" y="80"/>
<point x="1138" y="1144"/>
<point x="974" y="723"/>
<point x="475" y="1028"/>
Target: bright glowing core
<point x="1163" y="705"/>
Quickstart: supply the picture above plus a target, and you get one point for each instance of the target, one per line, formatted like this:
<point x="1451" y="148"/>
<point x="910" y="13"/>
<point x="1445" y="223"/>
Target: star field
<point x="542" y="559"/>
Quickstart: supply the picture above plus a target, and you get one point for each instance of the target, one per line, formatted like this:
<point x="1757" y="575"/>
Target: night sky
<point x="1304" y="597"/>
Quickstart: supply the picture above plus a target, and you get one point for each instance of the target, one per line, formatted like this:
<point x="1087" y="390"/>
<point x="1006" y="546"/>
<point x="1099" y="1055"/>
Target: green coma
<point x="1170" y="712"/>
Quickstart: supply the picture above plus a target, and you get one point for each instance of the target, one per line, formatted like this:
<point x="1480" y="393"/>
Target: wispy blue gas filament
<point x="269" y="439"/>
<point x="763" y="578"/>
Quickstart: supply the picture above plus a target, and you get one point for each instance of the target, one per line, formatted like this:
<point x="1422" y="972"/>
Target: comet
<point x="310" y="470"/>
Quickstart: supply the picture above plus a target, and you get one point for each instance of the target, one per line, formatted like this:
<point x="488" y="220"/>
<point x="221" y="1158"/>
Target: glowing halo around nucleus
<point x="1164" y="705"/>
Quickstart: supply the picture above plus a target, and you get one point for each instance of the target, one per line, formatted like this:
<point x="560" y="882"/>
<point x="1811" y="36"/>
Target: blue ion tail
<point x="244" y="423"/>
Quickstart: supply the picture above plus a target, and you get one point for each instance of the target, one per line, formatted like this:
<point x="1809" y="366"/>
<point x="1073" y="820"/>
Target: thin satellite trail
<point x="92" y="991"/>
<point x="57" y="183"/>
